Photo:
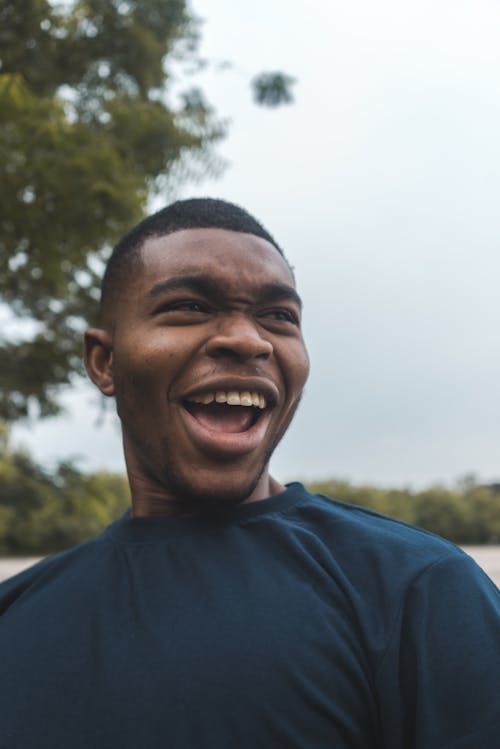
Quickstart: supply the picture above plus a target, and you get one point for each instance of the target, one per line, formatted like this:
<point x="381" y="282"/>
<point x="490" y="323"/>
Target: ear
<point x="99" y="359"/>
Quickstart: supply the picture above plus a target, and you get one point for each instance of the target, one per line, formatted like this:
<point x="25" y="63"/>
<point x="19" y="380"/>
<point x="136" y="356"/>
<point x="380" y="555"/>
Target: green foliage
<point x="90" y="128"/>
<point x="469" y="514"/>
<point x="272" y="89"/>
<point x="42" y="512"/>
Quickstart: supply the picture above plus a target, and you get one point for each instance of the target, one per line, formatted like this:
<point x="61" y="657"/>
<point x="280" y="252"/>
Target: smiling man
<point x="226" y="610"/>
<point x="202" y="347"/>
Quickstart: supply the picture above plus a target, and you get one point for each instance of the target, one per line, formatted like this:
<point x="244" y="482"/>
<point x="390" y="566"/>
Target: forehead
<point x="240" y="261"/>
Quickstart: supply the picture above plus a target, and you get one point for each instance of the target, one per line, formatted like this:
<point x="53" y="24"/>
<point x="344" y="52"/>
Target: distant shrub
<point x="468" y="514"/>
<point x="42" y="512"/>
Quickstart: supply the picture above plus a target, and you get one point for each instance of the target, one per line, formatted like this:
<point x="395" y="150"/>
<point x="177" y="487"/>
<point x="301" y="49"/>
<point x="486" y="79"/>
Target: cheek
<point x="138" y="362"/>
<point x="301" y="367"/>
<point x="134" y="378"/>
<point x="296" y="370"/>
<point x="144" y="374"/>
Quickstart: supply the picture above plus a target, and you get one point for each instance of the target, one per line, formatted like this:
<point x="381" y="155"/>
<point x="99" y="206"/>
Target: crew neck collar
<point x="142" y="529"/>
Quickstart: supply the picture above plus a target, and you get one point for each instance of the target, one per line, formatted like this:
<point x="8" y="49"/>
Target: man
<point x="226" y="610"/>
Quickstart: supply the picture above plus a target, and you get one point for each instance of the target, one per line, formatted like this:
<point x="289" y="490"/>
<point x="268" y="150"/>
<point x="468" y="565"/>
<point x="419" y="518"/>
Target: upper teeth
<point x="232" y="398"/>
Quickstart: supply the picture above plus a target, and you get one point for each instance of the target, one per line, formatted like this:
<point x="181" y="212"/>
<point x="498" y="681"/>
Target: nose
<point x="237" y="337"/>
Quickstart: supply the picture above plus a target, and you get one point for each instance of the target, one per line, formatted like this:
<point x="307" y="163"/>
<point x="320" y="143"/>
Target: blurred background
<point x="363" y="135"/>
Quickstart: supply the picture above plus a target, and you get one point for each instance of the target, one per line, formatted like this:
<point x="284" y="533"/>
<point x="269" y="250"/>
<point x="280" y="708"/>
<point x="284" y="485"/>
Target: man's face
<point x="209" y="363"/>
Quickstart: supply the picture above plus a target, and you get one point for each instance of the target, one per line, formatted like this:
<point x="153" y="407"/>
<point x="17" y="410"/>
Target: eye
<point x="185" y="305"/>
<point x="188" y="306"/>
<point x="281" y="314"/>
<point x="182" y="312"/>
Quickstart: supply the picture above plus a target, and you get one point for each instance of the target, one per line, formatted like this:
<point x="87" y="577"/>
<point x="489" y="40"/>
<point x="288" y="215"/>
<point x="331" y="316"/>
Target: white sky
<point x="382" y="182"/>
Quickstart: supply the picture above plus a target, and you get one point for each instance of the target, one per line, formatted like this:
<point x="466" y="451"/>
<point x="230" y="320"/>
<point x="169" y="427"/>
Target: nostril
<point x="226" y="351"/>
<point x="239" y="353"/>
<point x="244" y="347"/>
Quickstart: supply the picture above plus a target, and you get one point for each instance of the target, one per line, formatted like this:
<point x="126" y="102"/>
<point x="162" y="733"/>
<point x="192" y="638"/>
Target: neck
<point x="155" y="497"/>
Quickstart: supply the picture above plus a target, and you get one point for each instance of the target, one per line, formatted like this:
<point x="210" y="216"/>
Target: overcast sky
<point x="382" y="182"/>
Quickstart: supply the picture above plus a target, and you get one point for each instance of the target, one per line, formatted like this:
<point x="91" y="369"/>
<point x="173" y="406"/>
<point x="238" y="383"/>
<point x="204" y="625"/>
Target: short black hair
<point x="194" y="213"/>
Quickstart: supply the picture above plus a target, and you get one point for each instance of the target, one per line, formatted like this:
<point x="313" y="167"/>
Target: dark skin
<point x="209" y="311"/>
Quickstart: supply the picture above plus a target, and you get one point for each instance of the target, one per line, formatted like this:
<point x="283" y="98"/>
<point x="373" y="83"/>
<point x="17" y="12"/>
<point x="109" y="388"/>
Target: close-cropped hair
<point x="194" y="213"/>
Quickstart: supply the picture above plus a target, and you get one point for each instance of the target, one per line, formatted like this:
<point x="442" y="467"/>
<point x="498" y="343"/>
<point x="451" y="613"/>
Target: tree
<point x="470" y="514"/>
<point x="87" y="134"/>
<point x="43" y="512"/>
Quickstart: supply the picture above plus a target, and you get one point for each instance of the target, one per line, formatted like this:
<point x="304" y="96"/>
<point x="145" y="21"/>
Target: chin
<point x="222" y="490"/>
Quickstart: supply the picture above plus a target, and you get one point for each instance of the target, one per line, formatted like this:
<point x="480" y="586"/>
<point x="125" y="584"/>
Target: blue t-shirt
<point x="295" y="622"/>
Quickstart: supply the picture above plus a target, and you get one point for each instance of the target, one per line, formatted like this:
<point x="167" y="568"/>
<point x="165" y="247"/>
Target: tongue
<point x="219" y="417"/>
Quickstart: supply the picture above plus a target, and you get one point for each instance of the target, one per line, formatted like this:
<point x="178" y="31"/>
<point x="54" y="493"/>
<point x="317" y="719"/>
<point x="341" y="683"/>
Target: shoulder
<point x="53" y="571"/>
<point x="357" y="533"/>
<point x="373" y="557"/>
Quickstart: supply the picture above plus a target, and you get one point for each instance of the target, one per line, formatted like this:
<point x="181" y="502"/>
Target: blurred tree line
<point x="466" y="514"/>
<point x="43" y="512"/>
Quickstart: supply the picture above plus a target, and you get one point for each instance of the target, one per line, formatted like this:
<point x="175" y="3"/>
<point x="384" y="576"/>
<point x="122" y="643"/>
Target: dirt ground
<point x="488" y="557"/>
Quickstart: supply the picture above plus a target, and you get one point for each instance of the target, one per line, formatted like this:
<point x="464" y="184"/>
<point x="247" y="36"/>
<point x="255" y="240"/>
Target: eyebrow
<point x="209" y="287"/>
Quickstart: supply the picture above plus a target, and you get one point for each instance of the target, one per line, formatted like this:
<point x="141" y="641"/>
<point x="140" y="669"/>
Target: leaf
<point x="273" y="89"/>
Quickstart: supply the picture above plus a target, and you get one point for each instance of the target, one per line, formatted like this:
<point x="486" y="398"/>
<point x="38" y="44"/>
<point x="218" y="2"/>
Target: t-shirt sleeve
<point x="439" y="680"/>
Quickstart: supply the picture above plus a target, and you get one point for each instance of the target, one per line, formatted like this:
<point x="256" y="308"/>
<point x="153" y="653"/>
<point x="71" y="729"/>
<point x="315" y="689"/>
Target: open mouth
<point x="230" y="412"/>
